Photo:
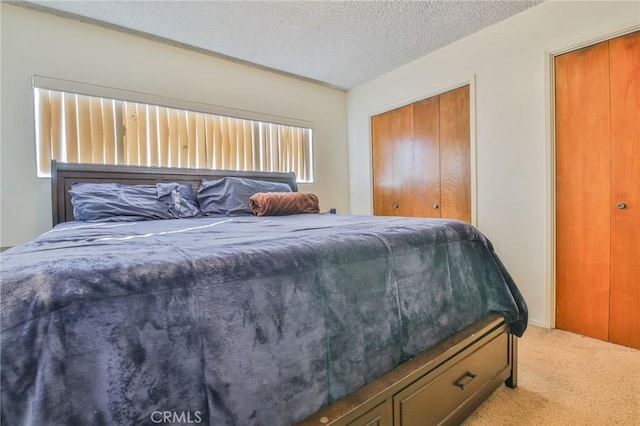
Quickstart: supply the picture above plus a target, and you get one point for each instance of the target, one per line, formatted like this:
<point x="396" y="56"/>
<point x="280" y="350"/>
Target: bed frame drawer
<point x="433" y="387"/>
<point x="379" y="416"/>
<point x="433" y="398"/>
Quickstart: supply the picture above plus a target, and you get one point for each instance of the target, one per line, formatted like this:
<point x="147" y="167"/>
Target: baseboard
<point x="538" y="323"/>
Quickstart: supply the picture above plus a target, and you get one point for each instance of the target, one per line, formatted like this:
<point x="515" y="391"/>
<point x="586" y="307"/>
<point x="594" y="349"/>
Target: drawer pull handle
<point x="465" y="380"/>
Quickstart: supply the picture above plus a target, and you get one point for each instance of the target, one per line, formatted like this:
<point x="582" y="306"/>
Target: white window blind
<point x="73" y="127"/>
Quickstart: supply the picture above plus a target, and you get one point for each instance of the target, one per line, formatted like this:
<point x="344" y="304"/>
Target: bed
<point x="309" y="319"/>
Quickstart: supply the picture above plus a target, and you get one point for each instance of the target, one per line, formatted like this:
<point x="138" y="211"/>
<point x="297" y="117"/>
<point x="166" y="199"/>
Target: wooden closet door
<point x="426" y="157"/>
<point x="455" y="155"/>
<point x="392" y="140"/>
<point x="583" y="191"/>
<point x="624" y="320"/>
<point x="421" y="158"/>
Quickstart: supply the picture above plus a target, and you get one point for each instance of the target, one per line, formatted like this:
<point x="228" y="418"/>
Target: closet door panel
<point x="583" y="191"/>
<point x="403" y="162"/>
<point x="392" y="136"/>
<point x="624" y="326"/>
<point x="426" y="157"/>
<point x="383" y="173"/>
<point x="455" y="158"/>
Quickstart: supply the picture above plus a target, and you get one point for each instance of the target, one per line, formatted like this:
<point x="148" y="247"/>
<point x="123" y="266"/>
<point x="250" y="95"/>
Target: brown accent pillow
<point x="283" y="203"/>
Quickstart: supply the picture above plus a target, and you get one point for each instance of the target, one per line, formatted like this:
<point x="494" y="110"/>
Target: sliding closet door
<point x="392" y="134"/>
<point x="583" y="191"/>
<point x="421" y="158"/>
<point x="406" y="162"/>
<point x="426" y="162"/>
<point x="455" y="155"/>
<point x="624" y="327"/>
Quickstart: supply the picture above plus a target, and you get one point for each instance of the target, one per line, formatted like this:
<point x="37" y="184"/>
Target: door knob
<point x="395" y="206"/>
<point x="621" y="205"/>
<point x="435" y="205"/>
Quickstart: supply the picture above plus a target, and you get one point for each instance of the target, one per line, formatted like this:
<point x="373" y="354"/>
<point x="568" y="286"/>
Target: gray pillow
<point x="229" y="196"/>
<point x="99" y="202"/>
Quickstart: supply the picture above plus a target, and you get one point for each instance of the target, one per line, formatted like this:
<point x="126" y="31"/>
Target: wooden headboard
<point x="63" y="175"/>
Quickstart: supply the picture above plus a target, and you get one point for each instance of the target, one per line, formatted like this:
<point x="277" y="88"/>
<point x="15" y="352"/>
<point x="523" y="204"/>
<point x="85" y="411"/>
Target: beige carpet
<point x="567" y="379"/>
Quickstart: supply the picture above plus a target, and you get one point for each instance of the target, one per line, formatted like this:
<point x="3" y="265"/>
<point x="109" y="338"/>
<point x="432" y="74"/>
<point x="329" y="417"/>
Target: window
<point x="73" y="127"/>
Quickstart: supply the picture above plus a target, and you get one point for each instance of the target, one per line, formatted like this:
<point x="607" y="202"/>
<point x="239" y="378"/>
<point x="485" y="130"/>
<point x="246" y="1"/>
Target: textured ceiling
<point x="338" y="43"/>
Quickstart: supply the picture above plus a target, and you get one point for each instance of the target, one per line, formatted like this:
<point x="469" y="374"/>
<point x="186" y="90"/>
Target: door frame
<point x="471" y="82"/>
<point x="550" y="154"/>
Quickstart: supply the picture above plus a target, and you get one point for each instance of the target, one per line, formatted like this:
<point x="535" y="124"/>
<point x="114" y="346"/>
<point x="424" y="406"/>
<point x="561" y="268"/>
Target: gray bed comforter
<point x="231" y="321"/>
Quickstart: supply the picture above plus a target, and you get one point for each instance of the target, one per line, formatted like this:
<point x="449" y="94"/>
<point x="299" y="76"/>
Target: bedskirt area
<point x="232" y="320"/>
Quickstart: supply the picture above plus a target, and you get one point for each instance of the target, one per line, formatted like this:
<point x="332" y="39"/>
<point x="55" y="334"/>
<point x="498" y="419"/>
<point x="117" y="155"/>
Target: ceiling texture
<point x="340" y="44"/>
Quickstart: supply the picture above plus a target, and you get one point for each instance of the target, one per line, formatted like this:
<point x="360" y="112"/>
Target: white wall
<point x="512" y="115"/>
<point x="42" y="44"/>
